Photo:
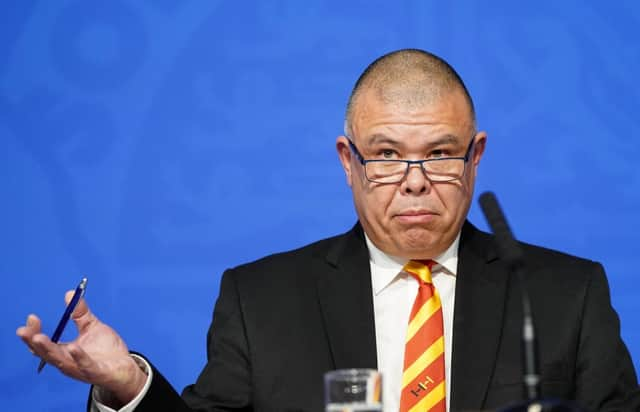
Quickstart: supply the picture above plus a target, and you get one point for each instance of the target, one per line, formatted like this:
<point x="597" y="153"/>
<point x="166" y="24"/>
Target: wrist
<point x="134" y="385"/>
<point x="123" y="389"/>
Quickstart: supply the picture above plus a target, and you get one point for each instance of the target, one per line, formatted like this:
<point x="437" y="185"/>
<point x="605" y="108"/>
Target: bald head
<point x="409" y="78"/>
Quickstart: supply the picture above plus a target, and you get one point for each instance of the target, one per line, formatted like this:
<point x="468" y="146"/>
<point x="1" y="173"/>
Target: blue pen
<point x="66" y="315"/>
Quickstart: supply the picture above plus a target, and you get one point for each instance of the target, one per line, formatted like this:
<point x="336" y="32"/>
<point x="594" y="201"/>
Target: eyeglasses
<point x="441" y="169"/>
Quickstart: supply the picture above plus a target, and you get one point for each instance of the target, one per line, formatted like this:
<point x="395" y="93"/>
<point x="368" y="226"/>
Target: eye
<point x="387" y="154"/>
<point x="438" y="153"/>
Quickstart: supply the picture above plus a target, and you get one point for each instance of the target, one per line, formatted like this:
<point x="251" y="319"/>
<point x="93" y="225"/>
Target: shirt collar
<point x="388" y="267"/>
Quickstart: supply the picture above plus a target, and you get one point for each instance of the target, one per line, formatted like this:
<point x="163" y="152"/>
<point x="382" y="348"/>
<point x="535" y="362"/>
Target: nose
<point x="416" y="181"/>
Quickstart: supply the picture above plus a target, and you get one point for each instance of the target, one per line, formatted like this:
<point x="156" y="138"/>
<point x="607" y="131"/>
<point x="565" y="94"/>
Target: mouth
<point x="415" y="216"/>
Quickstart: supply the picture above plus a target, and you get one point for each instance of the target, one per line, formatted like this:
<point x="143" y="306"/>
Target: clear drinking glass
<point x="353" y="390"/>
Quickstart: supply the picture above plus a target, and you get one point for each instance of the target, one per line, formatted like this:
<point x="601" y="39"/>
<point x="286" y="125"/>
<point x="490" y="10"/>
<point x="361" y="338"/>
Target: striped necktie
<point x="423" y="386"/>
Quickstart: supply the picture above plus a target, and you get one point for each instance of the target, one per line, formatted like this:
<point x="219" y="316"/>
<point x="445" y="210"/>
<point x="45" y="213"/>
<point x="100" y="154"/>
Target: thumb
<point x="81" y="315"/>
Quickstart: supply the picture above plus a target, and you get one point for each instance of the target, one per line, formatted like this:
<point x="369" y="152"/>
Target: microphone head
<point x="508" y="247"/>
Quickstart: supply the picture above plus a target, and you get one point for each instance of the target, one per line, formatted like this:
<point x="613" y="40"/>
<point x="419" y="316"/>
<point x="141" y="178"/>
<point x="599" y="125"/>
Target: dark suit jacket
<point x="280" y="323"/>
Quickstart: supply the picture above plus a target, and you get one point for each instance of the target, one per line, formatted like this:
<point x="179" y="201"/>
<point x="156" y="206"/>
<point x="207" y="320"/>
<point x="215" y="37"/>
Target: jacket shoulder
<point x="296" y="260"/>
<point x="540" y="261"/>
<point x="530" y="251"/>
<point x="539" y="256"/>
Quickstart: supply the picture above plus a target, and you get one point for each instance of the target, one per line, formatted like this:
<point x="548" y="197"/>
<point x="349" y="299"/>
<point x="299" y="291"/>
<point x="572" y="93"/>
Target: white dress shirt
<point x="394" y="292"/>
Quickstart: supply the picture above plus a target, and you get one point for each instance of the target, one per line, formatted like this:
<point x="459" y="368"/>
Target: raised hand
<point x="97" y="356"/>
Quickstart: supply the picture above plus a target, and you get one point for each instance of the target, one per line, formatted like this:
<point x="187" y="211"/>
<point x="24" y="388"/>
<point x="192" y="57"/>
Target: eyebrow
<point x="446" y="139"/>
<point x="382" y="138"/>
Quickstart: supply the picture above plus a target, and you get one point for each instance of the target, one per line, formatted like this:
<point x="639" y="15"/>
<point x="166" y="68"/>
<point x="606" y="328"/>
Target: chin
<point x="420" y="243"/>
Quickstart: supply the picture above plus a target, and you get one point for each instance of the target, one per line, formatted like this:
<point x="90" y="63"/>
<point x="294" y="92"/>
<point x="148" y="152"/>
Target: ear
<point x="478" y="147"/>
<point x="344" y="154"/>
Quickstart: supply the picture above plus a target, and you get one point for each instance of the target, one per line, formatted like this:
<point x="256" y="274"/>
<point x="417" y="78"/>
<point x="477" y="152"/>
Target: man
<point x="412" y="290"/>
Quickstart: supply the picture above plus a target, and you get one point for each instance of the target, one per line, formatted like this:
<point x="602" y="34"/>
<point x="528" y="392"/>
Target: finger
<point x="26" y="340"/>
<point x="81" y="315"/>
<point x="52" y="353"/>
<point x="25" y="335"/>
<point x="34" y="322"/>
<point x="31" y="328"/>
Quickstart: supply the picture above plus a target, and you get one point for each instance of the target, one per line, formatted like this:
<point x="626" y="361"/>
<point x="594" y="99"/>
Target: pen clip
<point x="82" y="286"/>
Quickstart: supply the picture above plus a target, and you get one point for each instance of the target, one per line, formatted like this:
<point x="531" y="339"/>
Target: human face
<point x="413" y="219"/>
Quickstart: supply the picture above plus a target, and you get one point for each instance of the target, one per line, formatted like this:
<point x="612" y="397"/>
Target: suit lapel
<point x="480" y="295"/>
<point x="346" y="301"/>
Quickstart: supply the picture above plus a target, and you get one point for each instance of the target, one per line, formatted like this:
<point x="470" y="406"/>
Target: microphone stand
<point x="511" y="253"/>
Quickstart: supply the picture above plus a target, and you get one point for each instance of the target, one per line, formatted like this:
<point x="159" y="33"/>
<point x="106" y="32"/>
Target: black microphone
<point x="510" y="251"/>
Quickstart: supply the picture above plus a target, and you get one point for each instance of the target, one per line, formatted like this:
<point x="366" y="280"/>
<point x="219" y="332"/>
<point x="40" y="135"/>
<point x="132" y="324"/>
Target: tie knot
<point x="420" y="269"/>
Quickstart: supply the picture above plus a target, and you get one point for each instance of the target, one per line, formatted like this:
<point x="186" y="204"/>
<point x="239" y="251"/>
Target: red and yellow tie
<point x="423" y="386"/>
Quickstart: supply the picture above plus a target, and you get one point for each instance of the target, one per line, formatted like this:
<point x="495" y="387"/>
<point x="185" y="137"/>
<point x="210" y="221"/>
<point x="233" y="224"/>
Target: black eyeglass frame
<point x="421" y="162"/>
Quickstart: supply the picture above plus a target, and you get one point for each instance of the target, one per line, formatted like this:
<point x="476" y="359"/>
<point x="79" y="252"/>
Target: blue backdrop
<point x="151" y="144"/>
